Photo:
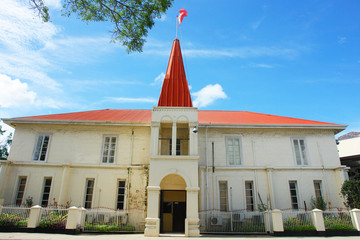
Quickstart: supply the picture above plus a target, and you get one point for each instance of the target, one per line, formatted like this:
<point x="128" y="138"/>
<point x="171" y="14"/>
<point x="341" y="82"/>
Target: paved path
<point x="45" y="236"/>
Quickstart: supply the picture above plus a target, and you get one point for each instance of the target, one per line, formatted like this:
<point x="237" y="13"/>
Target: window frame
<point x="302" y="162"/>
<point x="297" y="195"/>
<point x="41" y="147"/>
<point x="117" y="194"/>
<point x="252" y="195"/>
<point x="103" y="149"/>
<point x="86" y="190"/>
<point x="320" y="188"/>
<point x="18" y="189"/>
<point x="227" y="138"/>
<point x="43" y="191"/>
<point x="227" y="195"/>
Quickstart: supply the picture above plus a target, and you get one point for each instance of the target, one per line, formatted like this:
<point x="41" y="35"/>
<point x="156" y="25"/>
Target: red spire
<point x="175" y="90"/>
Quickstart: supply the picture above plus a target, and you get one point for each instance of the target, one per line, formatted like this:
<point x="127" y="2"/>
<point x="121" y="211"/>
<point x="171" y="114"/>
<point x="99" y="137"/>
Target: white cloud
<point x="56" y="4"/>
<point x="159" y="79"/>
<point x="342" y="40"/>
<point x="17" y="94"/>
<point x="208" y="95"/>
<point x="256" y="24"/>
<point x="133" y="100"/>
<point x="14" y="93"/>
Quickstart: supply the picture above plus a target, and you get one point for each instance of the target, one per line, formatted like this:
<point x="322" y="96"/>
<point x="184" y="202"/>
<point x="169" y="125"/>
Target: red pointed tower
<point x="175" y="90"/>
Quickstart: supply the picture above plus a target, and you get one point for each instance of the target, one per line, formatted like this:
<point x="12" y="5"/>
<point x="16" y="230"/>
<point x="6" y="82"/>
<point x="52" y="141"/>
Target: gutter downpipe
<point x="129" y="169"/>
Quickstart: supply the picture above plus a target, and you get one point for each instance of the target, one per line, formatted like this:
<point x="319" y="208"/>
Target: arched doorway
<point x="172" y="204"/>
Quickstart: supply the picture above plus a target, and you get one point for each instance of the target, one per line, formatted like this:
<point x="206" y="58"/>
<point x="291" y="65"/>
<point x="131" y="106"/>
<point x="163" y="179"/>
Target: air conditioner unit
<point x="238" y="217"/>
<point x="215" y="220"/>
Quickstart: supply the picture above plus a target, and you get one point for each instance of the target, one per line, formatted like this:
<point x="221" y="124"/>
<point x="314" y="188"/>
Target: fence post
<point x="82" y="218"/>
<point x="318" y="219"/>
<point x="267" y="222"/>
<point x="34" y="216"/>
<point x="278" y="225"/>
<point x="73" y="218"/>
<point x="355" y="218"/>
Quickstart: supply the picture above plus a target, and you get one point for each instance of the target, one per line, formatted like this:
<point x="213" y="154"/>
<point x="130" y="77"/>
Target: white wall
<point x="349" y="147"/>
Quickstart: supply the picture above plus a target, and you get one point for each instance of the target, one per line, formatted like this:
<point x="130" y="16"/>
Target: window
<point x="46" y="192"/>
<point x="89" y="192"/>
<point x="120" y="195"/>
<point x="109" y="149"/>
<point x="223" y="189"/>
<point x="21" y="190"/>
<point x="233" y="150"/>
<point x="41" y="148"/>
<point x="293" y="194"/>
<point x="317" y="187"/>
<point x="249" y="191"/>
<point x="300" y="152"/>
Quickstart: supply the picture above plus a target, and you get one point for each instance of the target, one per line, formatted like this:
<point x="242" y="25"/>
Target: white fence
<point x="14" y="216"/>
<point x="53" y="217"/>
<point x="297" y="220"/>
<point x="235" y="221"/>
<point x="338" y="219"/>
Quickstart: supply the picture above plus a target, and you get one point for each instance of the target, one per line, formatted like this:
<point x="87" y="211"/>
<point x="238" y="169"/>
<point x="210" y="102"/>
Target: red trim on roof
<point x="204" y="117"/>
<point x="175" y="90"/>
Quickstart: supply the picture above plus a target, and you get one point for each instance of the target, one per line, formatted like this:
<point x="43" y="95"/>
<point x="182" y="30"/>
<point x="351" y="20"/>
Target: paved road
<point x="45" y="236"/>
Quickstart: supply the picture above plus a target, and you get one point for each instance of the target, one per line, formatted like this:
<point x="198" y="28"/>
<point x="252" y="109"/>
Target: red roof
<point x="175" y="90"/>
<point x="204" y="117"/>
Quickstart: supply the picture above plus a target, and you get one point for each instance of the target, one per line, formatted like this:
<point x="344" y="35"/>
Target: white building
<point x="349" y="152"/>
<point x="127" y="159"/>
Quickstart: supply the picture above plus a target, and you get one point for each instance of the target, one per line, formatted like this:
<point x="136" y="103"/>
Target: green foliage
<point x="108" y="228"/>
<point x="55" y="220"/>
<point x="350" y="190"/>
<point x="12" y="220"/>
<point x="298" y="224"/>
<point x="4" y="153"/>
<point x="318" y="203"/>
<point x="131" y="18"/>
<point x="340" y="222"/>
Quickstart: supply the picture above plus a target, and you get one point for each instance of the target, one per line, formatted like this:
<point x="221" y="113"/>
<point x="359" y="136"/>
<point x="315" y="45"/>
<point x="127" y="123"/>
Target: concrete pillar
<point x="152" y="222"/>
<point x="318" y="220"/>
<point x="154" y="145"/>
<point x="173" y="140"/>
<point x="82" y="217"/>
<point x="192" y="212"/>
<point x="267" y="222"/>
<point x="355" y="217"/>
<point x="271" y="188"/>
<point x="64" y="184"/>
<point x="3" y="169"/>
<point x="193" y="140"/>
<point x="278" y="225"/>
<point x="34" y="216"/>
<point x="73" y="218"/>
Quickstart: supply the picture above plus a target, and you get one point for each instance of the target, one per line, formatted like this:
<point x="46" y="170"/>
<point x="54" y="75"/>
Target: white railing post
<point x="278" y="225"/>
<point x="318" y="219"/>
<point x="73" y="218"/>
<point x="355" y="218"/>
<point x="267" y="222"/>
<point x="82" y="218"/>
<point x="34" y="216"/>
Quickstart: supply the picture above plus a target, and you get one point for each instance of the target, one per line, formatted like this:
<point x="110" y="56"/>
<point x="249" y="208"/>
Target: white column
<point x="64" y="184"/>
<point x="73" y="218"/>
<point x="355" y="217"/>
<point x="34" y="217"/>
<point x="278" y="225"/>
<point x="271" y="188"/>
<point x="318" y="220"/>
<point x="152" y="222"/>
<point x="192" y="212"/>
<point x="3" y="169"/>
<point x="173" y="146"/>
<point x="193" y="140"/>
<point x="154" y="144"/>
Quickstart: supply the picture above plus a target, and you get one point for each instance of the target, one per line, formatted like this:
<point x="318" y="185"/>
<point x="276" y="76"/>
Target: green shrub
<point x="108" y="228"/>
<point x="341" y="222"/>
<point x="12" y="220"/>
<point x="297" y="224"/>
<point x="350" y="190"/>
<point x="318" y="203"/>
<point x="55" y="220"/>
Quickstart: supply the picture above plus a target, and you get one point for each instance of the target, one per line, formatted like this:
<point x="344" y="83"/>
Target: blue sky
<point x="290" y="58"/>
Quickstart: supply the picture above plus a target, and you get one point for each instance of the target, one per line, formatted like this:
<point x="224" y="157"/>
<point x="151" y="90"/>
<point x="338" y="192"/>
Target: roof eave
<point x="337" y="128"/>
<point x="12" y="122"/>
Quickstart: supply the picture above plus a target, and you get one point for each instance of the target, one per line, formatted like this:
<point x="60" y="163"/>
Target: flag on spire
<point x="183" y="13"/>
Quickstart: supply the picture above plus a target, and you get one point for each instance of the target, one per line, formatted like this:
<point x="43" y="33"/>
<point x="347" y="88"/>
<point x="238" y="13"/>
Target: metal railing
<point x="108" y="220"/>
<point x="297" y="220"/>
<point x="53" y="218"/>
<point x="234" y="221"/>
<point x="14" y="216"/>
<point x="338" y="220"/>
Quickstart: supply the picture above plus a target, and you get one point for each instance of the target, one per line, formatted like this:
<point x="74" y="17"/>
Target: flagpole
<point x="176" y="25"/>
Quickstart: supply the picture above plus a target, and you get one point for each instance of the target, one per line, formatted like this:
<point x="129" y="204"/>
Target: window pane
<point x="297" y="152"/>
<point x="109" y="148"/>
<point x="223" y="196"/>
<point x="303" y="152"/>
<point x="21" y="189"/>
<point x="120" y="195"/>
